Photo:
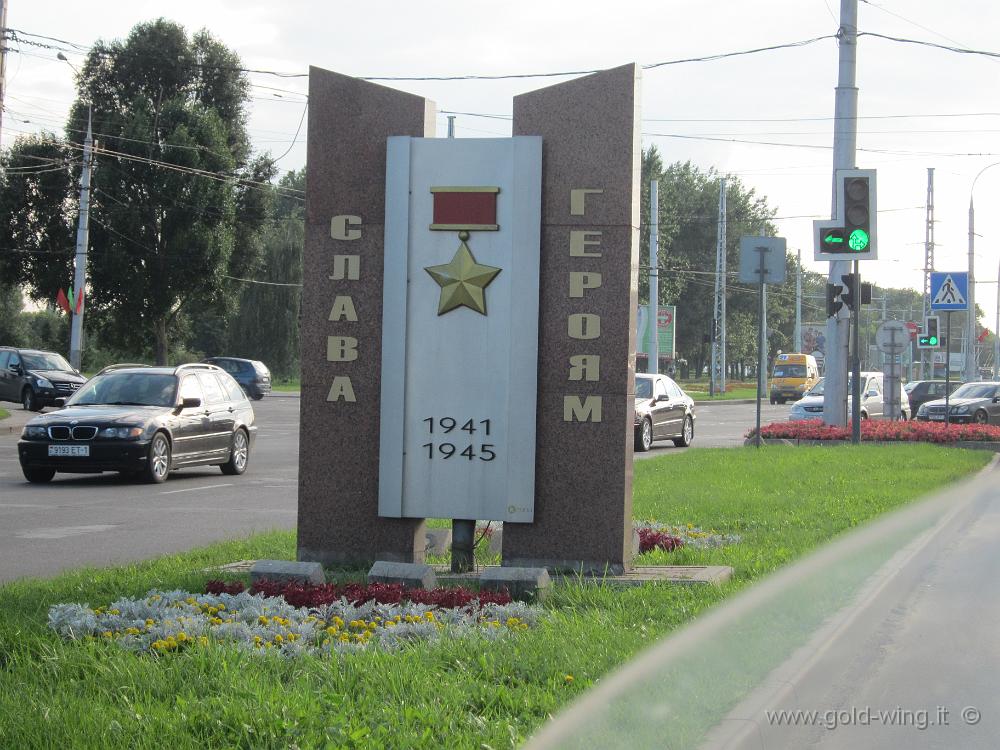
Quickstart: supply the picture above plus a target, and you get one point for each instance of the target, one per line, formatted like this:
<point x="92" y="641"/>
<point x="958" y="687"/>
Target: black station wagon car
<point x="143" y="421"/>
<point x="35" y="379"/>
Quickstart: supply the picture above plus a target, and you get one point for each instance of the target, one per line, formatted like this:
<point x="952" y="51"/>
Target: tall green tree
<point x="176" y="205"/>
<point x="265" y="324"/>
<point x="37" y="218"/>
<point x="688" y="233"/>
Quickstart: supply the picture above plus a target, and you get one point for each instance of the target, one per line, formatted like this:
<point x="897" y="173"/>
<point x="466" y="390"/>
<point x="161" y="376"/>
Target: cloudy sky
<point x="765" y="118"/>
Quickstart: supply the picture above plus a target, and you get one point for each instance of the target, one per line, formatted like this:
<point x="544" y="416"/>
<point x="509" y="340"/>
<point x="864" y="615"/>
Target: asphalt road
<point x="101" y="519"/>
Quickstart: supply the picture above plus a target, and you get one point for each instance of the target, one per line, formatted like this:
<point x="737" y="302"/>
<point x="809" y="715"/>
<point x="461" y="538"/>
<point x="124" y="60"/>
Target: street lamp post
<point x="82" y="241"/>
<point x="971" y="366"/>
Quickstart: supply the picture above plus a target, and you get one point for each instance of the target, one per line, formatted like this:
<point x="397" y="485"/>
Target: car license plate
<point x="69" y="450"/>
<point x="937" y="417"/>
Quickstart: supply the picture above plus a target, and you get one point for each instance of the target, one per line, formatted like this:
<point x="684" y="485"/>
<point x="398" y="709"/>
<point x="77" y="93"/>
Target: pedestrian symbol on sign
<point x="948" y="294"/>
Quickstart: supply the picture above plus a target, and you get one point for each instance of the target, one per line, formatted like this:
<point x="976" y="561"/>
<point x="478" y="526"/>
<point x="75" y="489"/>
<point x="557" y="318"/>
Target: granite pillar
<point x="590" y="235"/>
<point x="341" y="326"/>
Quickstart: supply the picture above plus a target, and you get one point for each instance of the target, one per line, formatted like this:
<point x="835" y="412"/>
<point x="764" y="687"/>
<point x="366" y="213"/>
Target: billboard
<point x="665" y="329"/>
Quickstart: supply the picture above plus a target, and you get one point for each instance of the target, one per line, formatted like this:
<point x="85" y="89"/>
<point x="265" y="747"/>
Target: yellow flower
<point x="429" y="616"/>
<point x="332" y="630"/>
<point x="216" y="620"/>
<point x="338" y="622"/>
<point x="132" y="631"/>
<point x="278" y="638"/>
<point x="568" y="678"/>
<point x="114" y="612"/>
<point x="150" y="621"/>
<point x="263" y="620"/>
<point x="203" y="640"/>
<point x="107" y="634"/>
<point x="344" y="638"/>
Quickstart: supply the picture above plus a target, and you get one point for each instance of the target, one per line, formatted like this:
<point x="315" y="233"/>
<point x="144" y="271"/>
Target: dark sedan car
<point x="144" y="422"/>
<point x="973" y="402"/>
<point x="662" y="412"/>
<point x="922" y="391"/>
<point x="35" y="379"/>
<point x="251" y="374"/>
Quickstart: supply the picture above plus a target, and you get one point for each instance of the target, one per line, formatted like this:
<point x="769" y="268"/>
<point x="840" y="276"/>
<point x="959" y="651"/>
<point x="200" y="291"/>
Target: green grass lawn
<point x="781" y="501"/>
<point x="286" y="384"/>
<point x="4" y="413"/>
<point x="735" y="389"/>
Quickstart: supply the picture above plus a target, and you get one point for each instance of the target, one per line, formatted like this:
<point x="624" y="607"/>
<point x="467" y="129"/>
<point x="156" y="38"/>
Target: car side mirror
<point x="16" y="369"/>
<point x="60" y="402"/>
<point x="190" y="403"/>
<point x="996" y="399"/>
<point x="662" y="397"/>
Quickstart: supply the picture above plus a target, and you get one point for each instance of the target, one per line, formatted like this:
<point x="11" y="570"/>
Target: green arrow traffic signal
<point x="832" y="239"/>
<point x="858" y="240"/>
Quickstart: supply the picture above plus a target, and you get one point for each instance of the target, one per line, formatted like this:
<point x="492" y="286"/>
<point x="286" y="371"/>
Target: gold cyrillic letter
<point x="346" y="267"/>
<point x="585" y="367"/>
<point x="339" y="227"/>
<point x="576" y="409"/>
<point x="341" y="348"/>
<point x="578" y="242"/>
<point x="584" y="326"/>
<point x="341" y="388"/>
<point x="577" y="199"/>
<point x="581" y="280"/>
<point x="343" y="308"/>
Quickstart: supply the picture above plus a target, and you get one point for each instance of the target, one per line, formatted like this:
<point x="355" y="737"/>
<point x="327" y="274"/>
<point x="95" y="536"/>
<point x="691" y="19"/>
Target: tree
<point x="175" y="204"/>
<point x="688" y="234"/>
<point x="36" y="225"/>
<point x="266" y="323"/>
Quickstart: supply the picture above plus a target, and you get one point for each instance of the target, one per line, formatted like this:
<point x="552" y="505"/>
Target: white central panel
<point x="459" y="386"/>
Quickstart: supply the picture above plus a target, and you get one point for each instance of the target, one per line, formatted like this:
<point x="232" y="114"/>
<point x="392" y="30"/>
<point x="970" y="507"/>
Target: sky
<point x="920" y="107"/>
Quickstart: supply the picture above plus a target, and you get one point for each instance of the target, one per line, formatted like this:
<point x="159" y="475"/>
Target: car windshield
<point x="975" y="390"/>
<point x="790" y="371"/>
<point x="45" y="361"/>
<point x="910" y="386"/>
<point x="131" y="388"/>
<point x="816" y="390"/>
<point x="643" y="388"/>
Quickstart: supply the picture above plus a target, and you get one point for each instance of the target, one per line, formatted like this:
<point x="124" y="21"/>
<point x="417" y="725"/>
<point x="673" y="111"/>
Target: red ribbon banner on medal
<point x="465" y="209"/>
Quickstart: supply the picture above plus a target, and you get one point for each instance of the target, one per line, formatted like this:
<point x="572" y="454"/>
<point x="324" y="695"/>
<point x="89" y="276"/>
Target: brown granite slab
<point x="338" y="521"/>
<point x="583" y="500"/>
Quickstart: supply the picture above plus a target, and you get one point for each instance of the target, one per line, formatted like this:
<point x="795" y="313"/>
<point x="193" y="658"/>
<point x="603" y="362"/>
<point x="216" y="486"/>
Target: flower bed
<point x="314" y="595"/>
<point x="881" y="431"/>
<point x="168" y="621"/>
<point x="654" y="535"/>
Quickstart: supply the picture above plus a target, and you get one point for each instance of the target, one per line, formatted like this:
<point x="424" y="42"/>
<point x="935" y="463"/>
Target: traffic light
<point x="857" y="214"/>
<point x="850" y="284"/>
<point x="833" y="304"/>
<point x="929" y="339"/>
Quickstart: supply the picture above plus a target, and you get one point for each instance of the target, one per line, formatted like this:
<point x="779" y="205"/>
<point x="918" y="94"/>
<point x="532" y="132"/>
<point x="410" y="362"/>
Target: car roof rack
<point x="196" y="366"/>
<point x="120" y="366"/>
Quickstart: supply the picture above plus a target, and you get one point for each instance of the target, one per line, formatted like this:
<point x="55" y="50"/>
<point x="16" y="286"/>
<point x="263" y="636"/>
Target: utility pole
<point x="717" y="381"/>
<point x="928" y="258"/>
<point x="80" y="262"/>
<point x="451" y="126"/>
<point x="798" y="303"/>
<point x="845" y="136"/>
<point x="653" y="364"/>
<point x="3" y="55"/>
<point x="996" y="334"/>
<point x="971" y="366"/>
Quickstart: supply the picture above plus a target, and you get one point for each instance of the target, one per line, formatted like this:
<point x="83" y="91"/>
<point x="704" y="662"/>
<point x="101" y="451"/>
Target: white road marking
<point x="195" y="489"/>
<point x="61" y="532"/>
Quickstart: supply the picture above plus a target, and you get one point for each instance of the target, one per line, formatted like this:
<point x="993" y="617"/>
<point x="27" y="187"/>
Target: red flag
<point x="79" y="301"/>
<point x="982" y="337"/>
<point x="62" y="301"/>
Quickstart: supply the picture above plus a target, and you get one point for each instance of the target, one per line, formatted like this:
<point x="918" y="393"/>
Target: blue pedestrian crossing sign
<point x="949" y="290"/>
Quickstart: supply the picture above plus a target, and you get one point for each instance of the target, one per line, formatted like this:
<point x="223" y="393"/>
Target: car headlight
<point x="43" y="382"/>
<point x="34" y="432"/>
<point x="963" y="409"/>
<point x="120" y="433"/>
<point x="922" y="409"/>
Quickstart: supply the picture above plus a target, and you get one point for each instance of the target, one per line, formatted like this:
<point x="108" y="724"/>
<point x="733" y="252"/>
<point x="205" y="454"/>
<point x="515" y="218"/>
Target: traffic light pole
<point x="856" y="358"/>
<point x="947" y="367"/>
<point x="844" y="143"/>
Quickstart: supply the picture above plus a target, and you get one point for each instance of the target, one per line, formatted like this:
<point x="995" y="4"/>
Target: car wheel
<point x="644" y="436"/>
<point x="29" y="401"/>
<point x="257" y="396"/>
<point x="38" y="475"/>
<point x="239" y="455"/>
<point x="158" y="461"/>
<point x="687" y="434"/>
<point x="772" y="402"/>
<point x="864" y="416"/>
<point x="981" y="417"/>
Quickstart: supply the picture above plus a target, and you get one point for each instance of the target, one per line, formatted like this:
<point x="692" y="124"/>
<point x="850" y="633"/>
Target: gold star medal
<point x="462" y="281"/>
